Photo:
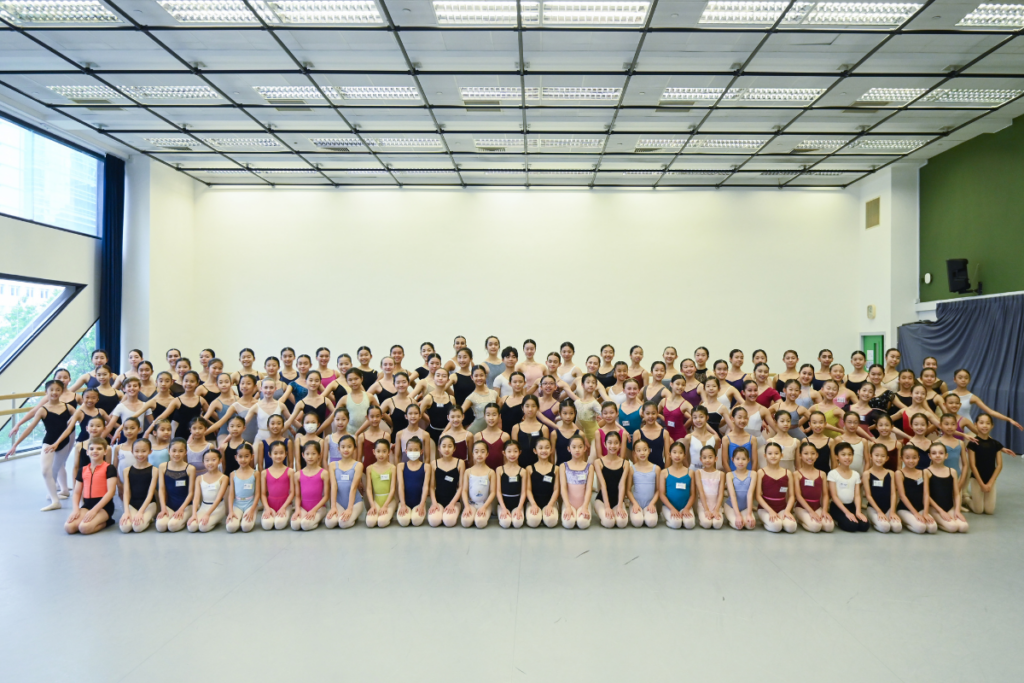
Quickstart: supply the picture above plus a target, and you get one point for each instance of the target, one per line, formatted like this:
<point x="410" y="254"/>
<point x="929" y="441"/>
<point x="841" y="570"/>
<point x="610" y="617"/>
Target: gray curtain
<point x="986" y="336"/>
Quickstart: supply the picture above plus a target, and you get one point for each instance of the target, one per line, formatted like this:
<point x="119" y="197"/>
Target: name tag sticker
<point x="671" y="423"/>
<point x="535" y="434"/>
<point x="919" y="481"/>
<point x="681" y="486"/>
<point x="180" y="482"/>
<point x="385" y="477"/>
<point x="449" y="479"/>
<point x="808" y="482"/>
<point x="877" y="483"/>
<point x="346" y="477"/>
<point x="513" y="479"/>
<point x="783" y="489"/>
<point x="247" y="487"/>
<point x="548" y="479"/>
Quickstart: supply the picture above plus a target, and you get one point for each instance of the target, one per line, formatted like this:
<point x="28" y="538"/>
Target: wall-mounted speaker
<point x="959" y="281"/>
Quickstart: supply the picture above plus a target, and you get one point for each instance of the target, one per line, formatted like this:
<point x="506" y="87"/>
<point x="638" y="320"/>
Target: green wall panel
<point x="972" y="206"/>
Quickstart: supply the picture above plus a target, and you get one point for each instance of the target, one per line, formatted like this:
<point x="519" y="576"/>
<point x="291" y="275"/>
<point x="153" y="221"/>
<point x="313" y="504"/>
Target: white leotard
<point x="695" y="449"/>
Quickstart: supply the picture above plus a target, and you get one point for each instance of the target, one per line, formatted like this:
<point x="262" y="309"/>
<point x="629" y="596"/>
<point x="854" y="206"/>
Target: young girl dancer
<point x="734" y="374"/>
<point x="177" y="486"/>
<point x="775" y="493"/>
<point x="446" y="491"/>
<point x="463" y="437"/>
<point x="699" y="437"/>
<point x="844" y="492"/>
<point x="609" y="425"/>
<point x="738" y="437"/>
<point x="243" y="492"/>
<point x="413" y="485"/>
<point x="92" y="502"/>
<point x="197" y="446"/>
<point x="798" y="414"/>
<point x="918" y="406"/>
<point x="986" y="463"/>
<point x="230" y="444"/>
<point x="944" y="492"/>
<point x="312" y="490"/>
<point x="345" y="474"/>
<point x="492" y="437"/>
<point x="718" y="412"/>
<point x="121" y="455"/>
<point x="676" y="410"/>
<point x="161" y="441"/>
<point x="611" y="471"/>
<point x="277" y="488"/>
<point x="128" y="406"/>
<point x="654" y="435"/>
<point x="413" y="431"/>
<point x="275" y="434"/>
<point x="790" y="359"/>
<point x="851" y="425"/>
<point x="547" y="403"/>
<point x="182" y="409"/>
<point x="140" y="484"/>
<point x="219" y="406"/>
<point x="891" y="443"/>
<point x="561" y="436"/>
<point x="437" y="403"/>
<point x="642" y="486"/>
<point x="588" y="408"/>
<point x="209" y="506"/>
<point x="479" y="491"/>
<point x="529" y="432"/>
<point x="675" y="490"/>
<point x="880" y="493"/>
<point x="246" y="358"/>
<point x="709" y="483"/>
<point x="56" y="441"/>
<point x="512" y="483"/>
<point x="739" y="510"/>
<point x="577" y="481"/>
<point x="822" y="443"/>
<point x="379" y="484"/>
<point x="832" y="413"/>
<point x="308" y="434"/>
<point x="656" y="390"/>
<point x="913" y="506"/>
<point x="543" y="489"/>
<point x="766" y="393"/>
<point x="962" y="378"/>
<point x="890" y="378"/>
<point x="91" y="379"/>
<point x="812" y="506"/>
<point x="785" y="441"/>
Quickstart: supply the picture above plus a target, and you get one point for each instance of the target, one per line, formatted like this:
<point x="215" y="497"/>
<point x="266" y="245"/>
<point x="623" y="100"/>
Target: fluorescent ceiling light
<point x="830" y="13"/>
<point x="497" y="93"/>
<point x="995" y="16"/>
<point x="726" y="143"/>
<point x="56" y="12"/>
<point x="86" y="92"/>
<point x="273" y="11"/>
<point x="178" y="92"/>
<point x="796" y="172"/>
<point x="700" y="172"/>
<point x="417" y="171"/>
<point x="892" y="145"/>
<point x="641" y="172"/>
<point x="892" y="94"/>
<point x="752" y="94"/>
<point x="224" y="171"/>
<point x="404" y="142"/>
<point x="173" y="142"/>
<point x="812" y="145"/>
<point x="972" y="96"/>
<point x="242" y="142"/>
<point x="660" y="143"/>
<point x="288" y="171"/>
<point x="580" y="93"/>
<point x="551" y="13"/>
<point x="510" y="171"/>
<point x="532" y="172"/>
<point x="824" y="173"/>
<point x="363" y="171"/>
<point x="336" y="142"/>
<point x="568" y="142"/>
<point x="309" y="92"/>
<point x="497" y="143"/>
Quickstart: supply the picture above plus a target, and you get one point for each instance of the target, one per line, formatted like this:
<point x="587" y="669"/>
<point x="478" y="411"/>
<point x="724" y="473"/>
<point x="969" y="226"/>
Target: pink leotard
<point x="311" y="488"/>
<point x="277" y="489"/>
<point x="675" y="422"/>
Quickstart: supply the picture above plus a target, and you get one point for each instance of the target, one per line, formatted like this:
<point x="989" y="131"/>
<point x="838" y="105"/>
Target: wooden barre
<point x="15" y="411"/>
<point x="31" y="394"/>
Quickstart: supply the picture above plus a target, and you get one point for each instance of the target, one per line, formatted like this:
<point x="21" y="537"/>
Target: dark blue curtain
<point x="986" y="336"/>
<point x="111" y="243"/>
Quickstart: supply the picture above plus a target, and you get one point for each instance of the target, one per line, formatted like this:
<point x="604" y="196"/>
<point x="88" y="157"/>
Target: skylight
<point x="355" y="12"/>
<point x="56" y="12"/>
<point x="549" y="13"/>
<point x="813" y="13"/>
<point x="995" y="16"/>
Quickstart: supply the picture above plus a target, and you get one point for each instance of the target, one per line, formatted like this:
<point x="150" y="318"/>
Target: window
<point x="24" y="311"/>
<point x="78" y="362"/>
<point x="48" y="182"/>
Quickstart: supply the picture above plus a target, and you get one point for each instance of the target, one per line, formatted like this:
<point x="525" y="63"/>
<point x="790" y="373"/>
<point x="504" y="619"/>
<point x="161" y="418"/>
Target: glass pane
<point x="21" y="304"/>
<point x="77" y="362"/>
<point x="47" y="182"/>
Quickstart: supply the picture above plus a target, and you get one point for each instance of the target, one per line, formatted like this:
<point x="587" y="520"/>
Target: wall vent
<point x="872" y="213"/>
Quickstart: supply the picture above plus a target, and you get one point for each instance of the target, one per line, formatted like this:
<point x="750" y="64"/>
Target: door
<point x="872" y="346"/>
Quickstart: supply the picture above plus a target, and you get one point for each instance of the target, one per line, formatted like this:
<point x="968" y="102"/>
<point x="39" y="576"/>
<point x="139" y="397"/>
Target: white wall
<point x="31" y="250"/>
<point x="309" y="268"/>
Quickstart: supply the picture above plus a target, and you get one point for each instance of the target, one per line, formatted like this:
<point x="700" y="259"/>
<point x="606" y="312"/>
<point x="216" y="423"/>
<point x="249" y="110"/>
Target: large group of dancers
<point x="686" y="443"/>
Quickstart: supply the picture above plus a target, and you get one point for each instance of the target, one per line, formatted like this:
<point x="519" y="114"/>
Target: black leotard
<point x="55" y="424"/>
<point x="855" y="386"/>
<point x="511" y="415"/>
<point x="715" y="421"/>
<point x="422" y="372"/>
<point x="462" y="388"/>
<point x="320" y="411"/>
<point x="338" y="393"/>
<point x="437" y="414"/>
<point x="83" y="435"/>
<point x="824" y="460"/>
<point x="606" y="379"/>
<point x="139" y="480"/>
<point x="230" y="459"/>
<point x="985" y="455"/>
<point x="542" y="485"/>
<point x="446" y="485"/>
<point x="511" y="488"/>
<point x="384" y="395"/>
<point x="398" y="419"/>
<point x="183" y="415"/>
<point x="611" y="481"/>
<point x="562" y="453"/>
<point x="528" y="446"/>
<point x="657" y="445"/>
<point x="914" y="490"/>
<point x="941" y="490"/>
<point x="107" y="403"/>
<point x="882" y="493"/>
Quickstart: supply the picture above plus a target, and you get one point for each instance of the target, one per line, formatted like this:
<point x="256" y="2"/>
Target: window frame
<point x="100" y="208"/>
<point x="56" y="307"/>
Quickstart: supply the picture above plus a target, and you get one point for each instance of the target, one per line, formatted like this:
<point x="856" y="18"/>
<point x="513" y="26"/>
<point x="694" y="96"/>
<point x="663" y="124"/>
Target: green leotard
<point x="381" y="488"/>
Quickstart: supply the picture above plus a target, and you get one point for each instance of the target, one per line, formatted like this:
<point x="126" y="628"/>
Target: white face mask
<point x="413" y="455"/>
<point x="310" y="428"/>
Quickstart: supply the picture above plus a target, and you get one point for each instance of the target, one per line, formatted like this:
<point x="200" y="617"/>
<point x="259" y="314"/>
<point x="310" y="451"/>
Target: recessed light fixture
<point x="178" y="92"/>
<point x="568" y="142"/>
<point x="660" y="143"/>
<point x="173" y="142"/>
<point x="287" y="171"/>
<point x="814" y="145"/>
<point x="309" y="92"/>
<point x="549" y="13"/>
<point x="995" y="16"/>
<point x="699" y="172"/>
<point x="751" y="94"/>
<point x="430" y="171"/>
<point x="892" y="94"/>
<point x="491" y="93"/>
<point x="830" y="13"/>
<point x="517" y="142"/>
<point x="336" y="142"/>
<point x="640" y="172"/>
<point x="495" y="144"/>
<point x="242" y="142"/>
<point x="941" y="95"/>
<point x="85" y="92"/>
<point x="887" y="145"/>
<point x="603" y="94"/>
<point x="476" y="94"/>
<point x="726" y="143"/>
<point x="56" y="12"/>
<point x="223" y="171"/>
<point x="273" y="11"/>
<point x="532" y="172"/>
<point x="404" y="142"/>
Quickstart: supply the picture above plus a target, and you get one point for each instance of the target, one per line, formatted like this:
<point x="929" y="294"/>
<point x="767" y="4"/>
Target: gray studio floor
<point x="494" y="605"/>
